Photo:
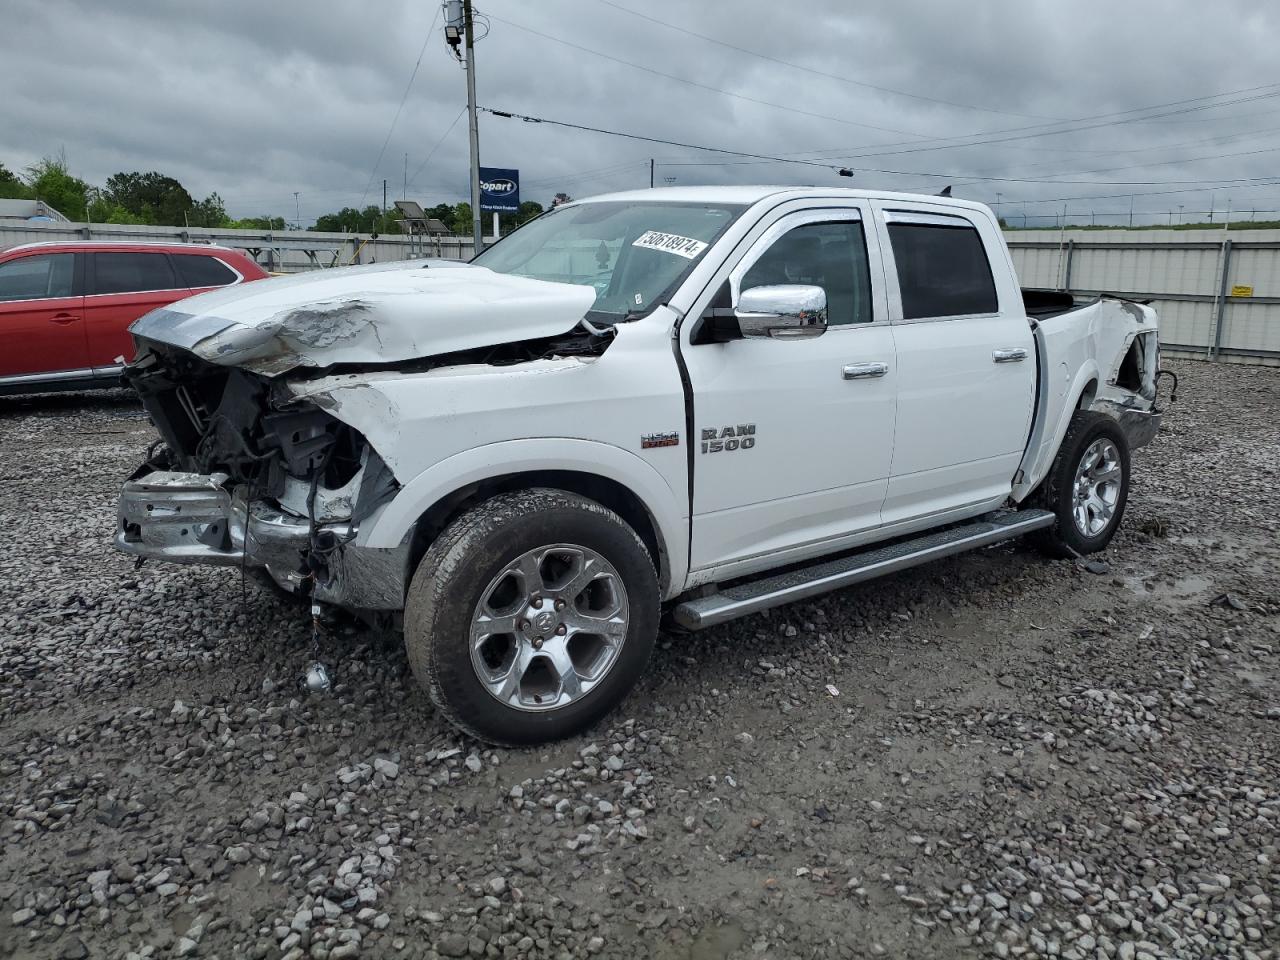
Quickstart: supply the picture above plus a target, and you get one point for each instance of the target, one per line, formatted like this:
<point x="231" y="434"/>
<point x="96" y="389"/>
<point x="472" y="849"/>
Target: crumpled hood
<point x="382" y="313"/>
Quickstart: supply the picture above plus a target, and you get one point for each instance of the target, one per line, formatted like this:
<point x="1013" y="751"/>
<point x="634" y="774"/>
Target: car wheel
<point x="531" y="616"/>
<point x="1087" y="487"/>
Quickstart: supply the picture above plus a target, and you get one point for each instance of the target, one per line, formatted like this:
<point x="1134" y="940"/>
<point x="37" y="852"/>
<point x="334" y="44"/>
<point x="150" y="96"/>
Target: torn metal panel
<point x="381" y="314"/>
<point x="195" y="518"/>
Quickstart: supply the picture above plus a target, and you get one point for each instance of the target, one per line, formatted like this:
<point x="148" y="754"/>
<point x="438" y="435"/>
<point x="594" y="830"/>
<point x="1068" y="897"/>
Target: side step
<point x="828" y="575"/>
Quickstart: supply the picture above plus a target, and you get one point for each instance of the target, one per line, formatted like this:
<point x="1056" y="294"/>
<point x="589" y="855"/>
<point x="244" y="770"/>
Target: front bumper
<point x="195" y="518"/>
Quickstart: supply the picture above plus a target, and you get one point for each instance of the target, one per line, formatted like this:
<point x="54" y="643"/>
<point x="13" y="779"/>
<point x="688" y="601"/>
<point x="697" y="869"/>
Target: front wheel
<point x="531" y="616"/>
<point x="1087" y="487"/>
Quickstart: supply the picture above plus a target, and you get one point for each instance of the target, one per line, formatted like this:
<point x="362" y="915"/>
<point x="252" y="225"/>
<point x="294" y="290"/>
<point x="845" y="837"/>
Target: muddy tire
<point x="532" y="616"/>
<point x="1087" y="487"/>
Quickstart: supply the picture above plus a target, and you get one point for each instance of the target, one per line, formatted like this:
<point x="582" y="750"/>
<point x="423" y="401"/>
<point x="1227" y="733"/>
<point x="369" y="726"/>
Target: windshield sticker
<point x="686" y="247"/>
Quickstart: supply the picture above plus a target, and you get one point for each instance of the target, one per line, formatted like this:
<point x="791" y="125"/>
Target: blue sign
<point x="499" y="190"/>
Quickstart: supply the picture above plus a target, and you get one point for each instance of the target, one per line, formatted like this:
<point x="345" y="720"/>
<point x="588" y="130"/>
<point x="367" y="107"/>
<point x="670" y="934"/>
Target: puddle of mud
<point x="1181" y="588"/>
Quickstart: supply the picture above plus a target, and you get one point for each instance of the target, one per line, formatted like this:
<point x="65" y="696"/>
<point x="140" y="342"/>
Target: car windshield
<point x="631" y="253"/>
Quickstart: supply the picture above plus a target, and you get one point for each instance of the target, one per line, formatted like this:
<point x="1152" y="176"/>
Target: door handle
<point x="64" y="318"/>
<point x="1009" y="355"/>
<point x="865" y="371"/>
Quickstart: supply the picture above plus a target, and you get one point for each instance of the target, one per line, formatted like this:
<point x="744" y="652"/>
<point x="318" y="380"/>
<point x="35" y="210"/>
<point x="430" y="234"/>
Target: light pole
<point x="459" y="28"/>
<point x="297" y="211"/>
<point x="1180" y="206"/>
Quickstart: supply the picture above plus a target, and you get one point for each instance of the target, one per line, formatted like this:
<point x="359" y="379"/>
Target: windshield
<point x="632" y="253"/>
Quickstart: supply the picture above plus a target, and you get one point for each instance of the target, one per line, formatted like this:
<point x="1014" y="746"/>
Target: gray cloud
<point x="258" y="100"/>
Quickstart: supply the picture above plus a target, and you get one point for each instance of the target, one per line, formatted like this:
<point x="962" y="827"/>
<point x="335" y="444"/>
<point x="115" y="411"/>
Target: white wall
<point x="1180" y="272"/>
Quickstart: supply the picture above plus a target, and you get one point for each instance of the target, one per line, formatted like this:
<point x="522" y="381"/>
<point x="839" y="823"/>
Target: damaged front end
<point x="246" y="474"/>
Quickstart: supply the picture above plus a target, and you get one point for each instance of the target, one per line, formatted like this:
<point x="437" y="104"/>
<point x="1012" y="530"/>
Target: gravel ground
<point x="994" y="755"/>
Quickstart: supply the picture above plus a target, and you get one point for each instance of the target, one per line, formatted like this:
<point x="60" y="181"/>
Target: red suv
<point x="65" y="307"/>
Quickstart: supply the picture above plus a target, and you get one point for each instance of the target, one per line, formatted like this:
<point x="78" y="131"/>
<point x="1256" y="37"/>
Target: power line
<point x="1038" y="132"/>
<point x="432" y="151"/>
<point x="816" y="72"/>
<point x="405" y="96"/>
<point x="671" y="143"/>
<point x="881" y="170"/>
<point x="703" y="86"/>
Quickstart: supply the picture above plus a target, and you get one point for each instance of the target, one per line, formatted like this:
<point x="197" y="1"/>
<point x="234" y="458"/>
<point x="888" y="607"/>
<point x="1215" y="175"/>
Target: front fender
<point x="668" y="509"/>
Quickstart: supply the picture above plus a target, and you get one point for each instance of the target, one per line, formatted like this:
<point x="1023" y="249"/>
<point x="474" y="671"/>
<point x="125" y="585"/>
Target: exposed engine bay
<point x="249" y="472"/>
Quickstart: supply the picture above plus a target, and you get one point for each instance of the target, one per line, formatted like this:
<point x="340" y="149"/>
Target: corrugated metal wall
<point x="287" y="251"/>
<point x="1195" y="278"/>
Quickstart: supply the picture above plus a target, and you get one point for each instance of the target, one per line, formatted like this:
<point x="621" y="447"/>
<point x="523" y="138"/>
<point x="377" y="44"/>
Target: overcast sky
<point x="256" y="100"/>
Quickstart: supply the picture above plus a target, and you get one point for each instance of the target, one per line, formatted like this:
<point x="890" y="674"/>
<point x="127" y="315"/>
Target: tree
<point x="527" y="211"/>
<point x="154" y="197"/>
<point x="209" y="212"/>
<point x="461" y="223"/>
<point x="350" y="220"/>
<point x="50" y="181"/>
<point x="11" y="187"/>
<point x="257" y="223"/>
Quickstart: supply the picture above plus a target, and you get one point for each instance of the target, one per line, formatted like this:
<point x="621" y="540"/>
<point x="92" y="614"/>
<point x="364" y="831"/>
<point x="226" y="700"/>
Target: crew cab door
<point x="41" y="316"/>
<point x="966" y="363"/>
<point x="792" y="438"/>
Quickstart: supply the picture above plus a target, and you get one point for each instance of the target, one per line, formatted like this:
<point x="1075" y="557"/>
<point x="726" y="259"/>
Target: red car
<point x="65" y="307"/>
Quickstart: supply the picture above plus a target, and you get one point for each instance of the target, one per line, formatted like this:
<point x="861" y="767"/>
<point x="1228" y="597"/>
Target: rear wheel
<point x="1087" y="487"/>
<point x="531" y="616"/>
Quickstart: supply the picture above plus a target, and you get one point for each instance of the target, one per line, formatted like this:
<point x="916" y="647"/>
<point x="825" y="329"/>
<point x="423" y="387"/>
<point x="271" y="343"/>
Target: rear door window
<point x="129" y="272"/>
<point x="199" y="270"/>
<point x="942" y="270"/>
<point x="44" y="277"/>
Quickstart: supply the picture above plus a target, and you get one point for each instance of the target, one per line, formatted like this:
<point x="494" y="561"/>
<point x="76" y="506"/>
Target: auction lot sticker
<point x="685" y="247"/>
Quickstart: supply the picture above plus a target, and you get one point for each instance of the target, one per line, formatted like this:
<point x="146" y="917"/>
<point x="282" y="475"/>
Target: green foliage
<point x="209" y="212"/>
<point x="527" y="211"/>
<point x="50" y="181"/>
<point x="11" y="186"/>
<point x="461" y="223"/>
<point x="350" y="220"/>
<point x="257" y="223"/>
<point x="152" y="197"/>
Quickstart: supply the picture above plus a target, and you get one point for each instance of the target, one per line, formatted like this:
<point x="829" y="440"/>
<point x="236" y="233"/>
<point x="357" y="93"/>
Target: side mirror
<point x="792" y="311"/>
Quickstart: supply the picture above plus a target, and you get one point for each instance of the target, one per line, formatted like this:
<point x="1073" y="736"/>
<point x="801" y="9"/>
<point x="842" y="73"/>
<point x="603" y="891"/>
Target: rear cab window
<point x="43" y="277"/>
<point x="132" y="272"/>
<point x="203" y="270"/>
<point x="943" y="270"/>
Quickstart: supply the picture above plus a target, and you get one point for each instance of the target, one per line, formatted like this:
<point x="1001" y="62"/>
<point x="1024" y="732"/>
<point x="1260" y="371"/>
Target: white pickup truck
<point x="699" y="401"/>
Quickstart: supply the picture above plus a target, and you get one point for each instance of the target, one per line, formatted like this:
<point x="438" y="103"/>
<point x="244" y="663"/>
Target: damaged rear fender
<point x="668" y="511"/>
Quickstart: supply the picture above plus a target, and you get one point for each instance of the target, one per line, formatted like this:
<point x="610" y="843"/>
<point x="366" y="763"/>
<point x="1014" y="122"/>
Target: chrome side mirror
<point x="791" y="311"/>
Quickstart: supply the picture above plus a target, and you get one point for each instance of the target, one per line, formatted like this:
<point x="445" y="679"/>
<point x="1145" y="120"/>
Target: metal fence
<point x="1218" y="292"/>
<point x="284" y="251"/>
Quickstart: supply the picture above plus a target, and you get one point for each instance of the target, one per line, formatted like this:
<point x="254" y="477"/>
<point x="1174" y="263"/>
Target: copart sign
<point x="499" y="190"/>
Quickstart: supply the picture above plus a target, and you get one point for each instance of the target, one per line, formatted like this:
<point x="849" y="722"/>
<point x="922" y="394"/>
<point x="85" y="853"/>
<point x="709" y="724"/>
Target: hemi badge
<point x="651" y="440"/>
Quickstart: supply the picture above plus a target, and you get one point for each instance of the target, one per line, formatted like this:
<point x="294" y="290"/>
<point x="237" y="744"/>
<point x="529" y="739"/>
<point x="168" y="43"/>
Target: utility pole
<point x="384" y="198"/>
<point x="651" y="173"/>
<point x="469" y="33"/>
<point x="405" y="194"/>
<point x="1131" y="213"/>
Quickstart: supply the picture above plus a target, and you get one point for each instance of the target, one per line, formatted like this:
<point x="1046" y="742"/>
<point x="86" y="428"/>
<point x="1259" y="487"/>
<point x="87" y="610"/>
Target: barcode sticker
<point x="686" y="247"/>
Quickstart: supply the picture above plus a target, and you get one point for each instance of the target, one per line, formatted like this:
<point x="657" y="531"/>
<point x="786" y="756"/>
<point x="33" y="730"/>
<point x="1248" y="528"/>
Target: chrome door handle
<point x="1011" y="355"/>
<point x="865" y="371"/>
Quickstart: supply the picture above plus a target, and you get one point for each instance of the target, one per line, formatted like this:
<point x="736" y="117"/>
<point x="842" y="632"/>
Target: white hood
<point x="382" y="313"/>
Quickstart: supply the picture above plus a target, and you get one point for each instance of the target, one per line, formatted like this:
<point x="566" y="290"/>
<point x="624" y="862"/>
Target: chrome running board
<point x="822" y="577"/>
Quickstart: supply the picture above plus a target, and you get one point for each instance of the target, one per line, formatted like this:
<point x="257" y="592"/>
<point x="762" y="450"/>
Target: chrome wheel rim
<point x="549" y="627"/>
<point x="1097" y="487"/>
